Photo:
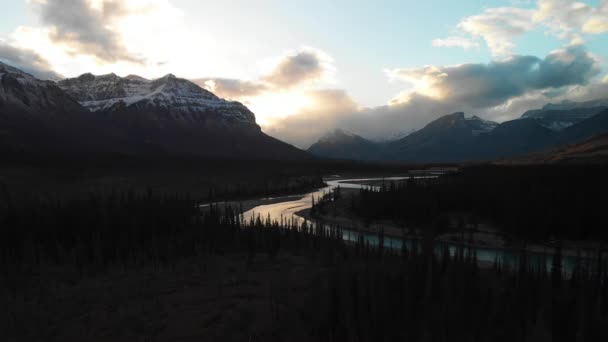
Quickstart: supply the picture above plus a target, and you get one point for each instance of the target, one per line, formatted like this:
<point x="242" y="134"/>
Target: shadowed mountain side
<point x="592" y="151"/>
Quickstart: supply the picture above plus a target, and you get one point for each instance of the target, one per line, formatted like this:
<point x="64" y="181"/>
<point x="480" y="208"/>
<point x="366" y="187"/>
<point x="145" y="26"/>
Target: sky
<point x="380" y="69"/>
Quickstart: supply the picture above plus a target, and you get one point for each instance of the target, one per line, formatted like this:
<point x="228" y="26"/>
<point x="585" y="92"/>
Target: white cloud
<point x="570" y="20"/>
<point x="455" y="41"/>
<point x="499" y="27"/>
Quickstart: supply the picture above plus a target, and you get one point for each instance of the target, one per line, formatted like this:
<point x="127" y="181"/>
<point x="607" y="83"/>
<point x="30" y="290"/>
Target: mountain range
<point x="174" y="116"/>
<point x="457" y="138"/>
<point x="130" y="115"/>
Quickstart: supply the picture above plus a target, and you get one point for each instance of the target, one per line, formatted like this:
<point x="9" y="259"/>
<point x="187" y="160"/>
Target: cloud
<point x="569" y="19"/>
<point x="87" y="27"/>
<point x="300" y="67"/>
<point x="27" y="60"/>
<point x="499" y="27"/>
<point x="455" y="41"/>
<point x="232" y="88"/>
<point x="501" y="90"/>
<point x="486" y="85"/>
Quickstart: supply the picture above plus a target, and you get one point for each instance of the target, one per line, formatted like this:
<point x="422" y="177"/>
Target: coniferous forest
<point x="529" y="202"/>
<point x="303" y="283"/>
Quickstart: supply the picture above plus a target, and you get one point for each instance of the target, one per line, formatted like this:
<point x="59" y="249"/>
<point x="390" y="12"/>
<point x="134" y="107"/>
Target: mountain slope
<point x="590" y="151"/>
<point x="583" y="130"/>
<point x="37" y="116"/>
<point x="344" y="145"/>
<point x="24" y="93"/>
<point x="512" y="138"/>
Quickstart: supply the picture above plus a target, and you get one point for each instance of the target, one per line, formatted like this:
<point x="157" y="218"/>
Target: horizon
<point x="493" y="59"/>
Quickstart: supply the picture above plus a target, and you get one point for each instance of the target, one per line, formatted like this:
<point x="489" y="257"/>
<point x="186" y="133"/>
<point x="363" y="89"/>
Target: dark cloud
<point x="570" y="66"/>
<point x="87" y="30"/>
<point x="304" y="66"/>
<point x="487" y="85"/>
<point x="28" y="61"/>
<point x="231" y="88"/>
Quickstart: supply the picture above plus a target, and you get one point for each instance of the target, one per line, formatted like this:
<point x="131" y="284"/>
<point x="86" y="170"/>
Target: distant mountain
<point x="340" y="144"/>
<point x="132" y="115"/>
<point x="456" y="138"/>
<point x="557" y="117"/>
<point x="444" y="139"/>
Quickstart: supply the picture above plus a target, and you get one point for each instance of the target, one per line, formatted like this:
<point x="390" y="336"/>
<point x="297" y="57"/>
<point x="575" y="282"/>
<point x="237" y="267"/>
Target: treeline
<point x="362" y="293"/>
<point x="132" y="228"/>
<point x="529" y="202"/>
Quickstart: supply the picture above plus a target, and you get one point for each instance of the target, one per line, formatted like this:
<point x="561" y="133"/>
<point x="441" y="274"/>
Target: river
<point x="286" y="211"/>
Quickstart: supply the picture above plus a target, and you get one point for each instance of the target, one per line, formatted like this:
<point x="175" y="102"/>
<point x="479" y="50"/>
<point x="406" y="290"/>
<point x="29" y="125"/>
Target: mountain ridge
<point x="456" y="138"/>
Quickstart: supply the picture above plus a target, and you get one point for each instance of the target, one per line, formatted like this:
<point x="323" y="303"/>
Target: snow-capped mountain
<point x="559" y="116"/>
<point x="165" y="98"/>
<point x="131" y="115"/>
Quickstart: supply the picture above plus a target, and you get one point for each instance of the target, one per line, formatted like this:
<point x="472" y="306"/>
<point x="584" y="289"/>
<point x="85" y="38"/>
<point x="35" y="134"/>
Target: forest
<point x="534" y="203"/>
<point x="339" y="291"/>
